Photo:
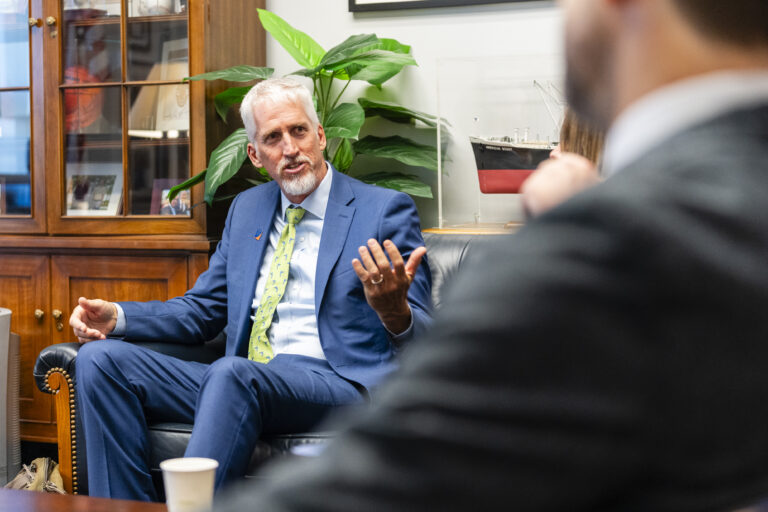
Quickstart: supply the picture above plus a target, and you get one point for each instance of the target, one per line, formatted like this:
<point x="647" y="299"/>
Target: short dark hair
<point x="741" y="22"/>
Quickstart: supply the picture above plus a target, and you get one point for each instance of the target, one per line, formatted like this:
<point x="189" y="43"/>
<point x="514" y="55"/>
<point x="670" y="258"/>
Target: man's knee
<point x="229" y="368"/>
<point x="96" y="358"/>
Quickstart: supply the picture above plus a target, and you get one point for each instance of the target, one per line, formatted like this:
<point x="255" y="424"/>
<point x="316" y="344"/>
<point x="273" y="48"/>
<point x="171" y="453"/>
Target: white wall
<point x="441" y="39"/>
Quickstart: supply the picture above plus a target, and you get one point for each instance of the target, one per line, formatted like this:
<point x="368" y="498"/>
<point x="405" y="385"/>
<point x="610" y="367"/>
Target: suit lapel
<point x="257" y="239"/>
<point x="338" y="218"/>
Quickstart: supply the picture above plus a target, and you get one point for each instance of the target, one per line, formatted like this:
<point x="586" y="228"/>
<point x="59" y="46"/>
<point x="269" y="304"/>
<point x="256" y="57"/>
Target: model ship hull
<point x="503" y="166"/>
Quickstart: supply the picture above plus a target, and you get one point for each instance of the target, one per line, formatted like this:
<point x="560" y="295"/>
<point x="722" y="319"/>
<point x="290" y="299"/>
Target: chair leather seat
<point x="169" y="440"/>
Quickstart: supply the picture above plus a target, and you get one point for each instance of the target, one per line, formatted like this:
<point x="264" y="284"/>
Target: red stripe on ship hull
<point x="502" y="181"/>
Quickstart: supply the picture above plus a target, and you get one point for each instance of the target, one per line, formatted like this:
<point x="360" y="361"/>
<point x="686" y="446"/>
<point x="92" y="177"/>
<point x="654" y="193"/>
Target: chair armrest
<point x="58" y="357"/>
<point x="54" y="373"/>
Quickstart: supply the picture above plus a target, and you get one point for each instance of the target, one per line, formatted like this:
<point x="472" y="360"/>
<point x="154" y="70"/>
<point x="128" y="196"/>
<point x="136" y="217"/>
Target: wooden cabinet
<point x="96" y="124"/>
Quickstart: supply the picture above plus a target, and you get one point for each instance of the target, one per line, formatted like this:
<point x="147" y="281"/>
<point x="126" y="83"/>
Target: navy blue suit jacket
<point x="353" y="338"/>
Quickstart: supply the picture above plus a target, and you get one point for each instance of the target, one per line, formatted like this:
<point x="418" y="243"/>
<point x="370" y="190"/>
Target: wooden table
<point x="27" y="501"/>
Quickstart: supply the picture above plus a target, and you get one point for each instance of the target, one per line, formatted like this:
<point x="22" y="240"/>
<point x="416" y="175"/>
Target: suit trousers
<point x="122" y="387"/>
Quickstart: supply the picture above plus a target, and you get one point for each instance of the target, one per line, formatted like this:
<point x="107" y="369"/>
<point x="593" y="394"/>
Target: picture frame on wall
<point x="389" y="5"/>
<point x="94" y="189"/>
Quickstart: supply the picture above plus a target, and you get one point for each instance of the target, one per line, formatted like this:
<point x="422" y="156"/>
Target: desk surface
<point x="27" y="501"/>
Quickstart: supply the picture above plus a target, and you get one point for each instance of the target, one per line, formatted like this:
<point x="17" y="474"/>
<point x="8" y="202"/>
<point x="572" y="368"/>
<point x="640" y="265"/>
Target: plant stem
<point x="341" y="94"/>
<point x="328" y="97"/>
<point x="318" y="83"/>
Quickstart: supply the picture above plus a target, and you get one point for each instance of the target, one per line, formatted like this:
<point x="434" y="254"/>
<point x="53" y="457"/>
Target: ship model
<point x="503" y="165"/>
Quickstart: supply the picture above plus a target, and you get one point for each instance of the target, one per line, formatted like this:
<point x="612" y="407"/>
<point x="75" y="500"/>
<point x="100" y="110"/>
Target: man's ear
<point x="321" y="137"/>
<point x="253" y="156"/>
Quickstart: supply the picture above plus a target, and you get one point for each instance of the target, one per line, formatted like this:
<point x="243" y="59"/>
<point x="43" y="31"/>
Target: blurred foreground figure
<point x="571" y="167"/>
<point x="612" y="354"/>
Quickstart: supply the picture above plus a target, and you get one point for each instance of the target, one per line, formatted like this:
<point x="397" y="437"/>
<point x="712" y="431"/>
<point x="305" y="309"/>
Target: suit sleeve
<point x="400" y="224"/>
<point x="197" y="316"/>
<point x="529" y="393"/>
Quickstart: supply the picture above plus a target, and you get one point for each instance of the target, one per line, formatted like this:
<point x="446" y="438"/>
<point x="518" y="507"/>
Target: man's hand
<point x="386" y="285"/>
<point x="93" y="319"/>
<point x="556" y="180"/>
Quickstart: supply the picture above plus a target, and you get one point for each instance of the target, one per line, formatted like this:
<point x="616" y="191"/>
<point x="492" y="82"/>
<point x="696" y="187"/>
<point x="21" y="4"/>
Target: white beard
<point x="300" y="185"/>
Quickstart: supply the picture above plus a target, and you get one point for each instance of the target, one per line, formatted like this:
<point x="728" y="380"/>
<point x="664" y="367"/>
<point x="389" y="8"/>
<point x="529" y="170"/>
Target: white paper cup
<point x="189" y="483"/>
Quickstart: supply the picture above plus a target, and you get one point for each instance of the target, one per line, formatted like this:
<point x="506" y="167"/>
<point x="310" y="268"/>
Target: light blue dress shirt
<point x="294" y="326"/>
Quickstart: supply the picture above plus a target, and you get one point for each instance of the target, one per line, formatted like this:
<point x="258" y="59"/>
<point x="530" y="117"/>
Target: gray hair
<point x="277" y="90"/>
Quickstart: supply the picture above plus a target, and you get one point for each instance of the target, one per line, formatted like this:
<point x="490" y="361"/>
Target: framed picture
<point x="172" y="108"/>
<point x="161" y="205"/>
<point x="388" y="5"/>
<point x="175" y="59"/>
<point x="2" y="196"/>
<point x="94" y="189"/>
<point x="172" y="113"/>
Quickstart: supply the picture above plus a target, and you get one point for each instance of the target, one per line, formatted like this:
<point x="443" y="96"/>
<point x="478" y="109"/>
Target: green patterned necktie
<point x="259" y="348"/>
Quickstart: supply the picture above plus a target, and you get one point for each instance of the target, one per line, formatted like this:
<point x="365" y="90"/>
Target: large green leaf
<point x="371" y="57"/>
<point x="399" y="148"/>
<point x="403" y="182"/>
<point x="353" y="45"/>
<point x="343" y="156"/>
<point x="393" y="45"/>
<point x="225" y="161"/>
<point x="375" y="74"/>
<point x="226" y="99"/>
<point x="191" y="182"/>
<point x="242" y="73"/>
<point x="395" y="113"/>
<point x="344" y="121"/>
<point x="305" y="50"/>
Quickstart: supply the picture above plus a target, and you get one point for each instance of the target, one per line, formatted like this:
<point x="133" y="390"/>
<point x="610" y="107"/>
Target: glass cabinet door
<point x="15" y="125"/>
<point x="125" y="108"/>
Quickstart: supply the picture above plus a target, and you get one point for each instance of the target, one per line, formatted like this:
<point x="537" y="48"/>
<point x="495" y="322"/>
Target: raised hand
<point x="556" y="180"/>
<point x="93" y="319"/>
<point x="386" y="279"/>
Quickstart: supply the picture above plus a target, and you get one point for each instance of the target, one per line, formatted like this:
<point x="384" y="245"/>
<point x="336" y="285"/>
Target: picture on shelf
<point x="94" y="189"/>
<point x="172" y="108"/>
<point x="173" y="100"/>
<point x="161" y="205"/>
<point x="175" y="59"/>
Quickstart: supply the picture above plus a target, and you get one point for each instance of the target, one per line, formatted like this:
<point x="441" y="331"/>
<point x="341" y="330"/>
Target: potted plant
<point x="364" y="57"/>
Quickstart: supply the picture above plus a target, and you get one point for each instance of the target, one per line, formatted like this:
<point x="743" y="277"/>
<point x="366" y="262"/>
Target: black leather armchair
<point x="55" y="372"/>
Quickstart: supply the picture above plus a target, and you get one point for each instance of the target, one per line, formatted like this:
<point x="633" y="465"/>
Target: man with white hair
<point x="313" y="318"/>
<point x="613" y="354"/>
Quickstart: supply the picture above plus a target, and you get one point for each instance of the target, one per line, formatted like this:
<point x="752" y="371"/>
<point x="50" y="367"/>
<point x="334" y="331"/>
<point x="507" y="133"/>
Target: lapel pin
<point x="257" y="236"/>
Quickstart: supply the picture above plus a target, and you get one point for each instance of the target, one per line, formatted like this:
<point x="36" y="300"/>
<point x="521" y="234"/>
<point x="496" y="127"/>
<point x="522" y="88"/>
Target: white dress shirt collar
<point x="316" y="202"/>
<point x="674" y="108"/>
